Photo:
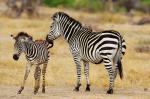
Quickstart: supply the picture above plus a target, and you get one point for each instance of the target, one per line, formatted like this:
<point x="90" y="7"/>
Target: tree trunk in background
<point x="110" y="6"/>
<point x="29" y="6"/>
<point x="12" y="8"/>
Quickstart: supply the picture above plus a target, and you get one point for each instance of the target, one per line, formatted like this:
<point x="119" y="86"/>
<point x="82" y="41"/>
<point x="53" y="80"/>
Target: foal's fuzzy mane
<point x="22" y="34"/>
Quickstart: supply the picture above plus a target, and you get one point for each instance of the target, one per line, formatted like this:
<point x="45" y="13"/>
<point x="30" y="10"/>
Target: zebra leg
<point x="43" y="73"/>
<point x="108" y="66"/>
<point x="86" y="72"/>
<point x="78" y="68"/>
<point x="37" y="76"/>
<point x="28" y="67"/>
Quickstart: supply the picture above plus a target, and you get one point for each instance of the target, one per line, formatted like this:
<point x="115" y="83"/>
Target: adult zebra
<point x="36" y="54"/>
<point x="88" y="46"/>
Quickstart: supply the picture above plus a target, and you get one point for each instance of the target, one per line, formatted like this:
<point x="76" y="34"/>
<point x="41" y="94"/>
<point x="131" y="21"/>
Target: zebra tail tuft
<point x="120" y="68"/>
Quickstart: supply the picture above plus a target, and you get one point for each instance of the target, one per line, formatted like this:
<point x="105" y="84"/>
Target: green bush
<point x="56" y="3"/>
<point x="93" y="5"/>
<point x="145" y="2"/>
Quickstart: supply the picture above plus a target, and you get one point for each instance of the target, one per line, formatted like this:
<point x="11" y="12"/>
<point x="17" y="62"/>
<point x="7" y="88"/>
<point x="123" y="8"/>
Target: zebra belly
<point x="37" y="61"/>
<point x="99" y="61"/>
<point x="93" y="60"/>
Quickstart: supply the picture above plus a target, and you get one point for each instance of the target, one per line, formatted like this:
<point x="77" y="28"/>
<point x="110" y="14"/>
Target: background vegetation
<point x="100" y="5"/>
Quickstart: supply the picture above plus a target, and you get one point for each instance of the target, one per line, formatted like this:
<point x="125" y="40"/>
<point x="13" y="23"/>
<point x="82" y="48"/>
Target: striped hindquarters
<point x="120" y="39"/>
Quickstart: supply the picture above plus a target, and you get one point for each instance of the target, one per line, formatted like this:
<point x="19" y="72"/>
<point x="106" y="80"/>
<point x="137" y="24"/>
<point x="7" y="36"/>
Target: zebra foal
<point x="36" y="53"/>
<point x="87" y="46"/>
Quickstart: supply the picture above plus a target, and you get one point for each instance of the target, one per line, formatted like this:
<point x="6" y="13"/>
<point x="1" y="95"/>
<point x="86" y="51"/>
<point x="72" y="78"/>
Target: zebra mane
<point x="62" y="14"/>
<point x="88" y="28"/>
<point x="23" y="34"/>
<point x="39" y="41"/>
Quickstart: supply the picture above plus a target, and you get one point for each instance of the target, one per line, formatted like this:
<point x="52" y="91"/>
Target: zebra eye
<point x="53" y="19"/>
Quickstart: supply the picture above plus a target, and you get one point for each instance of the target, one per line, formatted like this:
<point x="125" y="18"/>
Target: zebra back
<point x="45" y="43"/>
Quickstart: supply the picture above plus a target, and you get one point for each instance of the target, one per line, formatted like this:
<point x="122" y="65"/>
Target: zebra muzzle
<point x="15" y="57"/>
<point x="49" y="41"/>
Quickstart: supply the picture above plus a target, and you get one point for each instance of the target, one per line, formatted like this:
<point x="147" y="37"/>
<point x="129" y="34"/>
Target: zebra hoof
<point x="110" y="91"/>
<point x="76" y="89"/>
<point x="87" y="88"/>
<point x="43" y="90"/>
<point x="20" y="90"/>
<point x="35" y="93"/>
<point x="36" y="90"/>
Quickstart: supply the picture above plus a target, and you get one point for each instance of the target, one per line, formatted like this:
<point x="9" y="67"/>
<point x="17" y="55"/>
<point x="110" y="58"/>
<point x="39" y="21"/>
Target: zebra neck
<point x="71" y="32"/>
<point x="28" y="48"/>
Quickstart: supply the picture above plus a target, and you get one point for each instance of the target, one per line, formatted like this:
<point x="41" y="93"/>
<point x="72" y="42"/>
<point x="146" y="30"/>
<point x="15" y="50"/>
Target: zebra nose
<point x="15" y="57"/>
<point x="47" y="39"/>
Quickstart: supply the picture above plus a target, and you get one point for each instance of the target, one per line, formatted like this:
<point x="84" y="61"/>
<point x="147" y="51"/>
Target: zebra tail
<point x="119" y="64"/>
<point x="120" y="68"/>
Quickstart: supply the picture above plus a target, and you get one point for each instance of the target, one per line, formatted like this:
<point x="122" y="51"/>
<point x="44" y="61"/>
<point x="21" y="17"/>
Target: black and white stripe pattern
<point x="36" y="53"/>
<point x="95" y="47"/>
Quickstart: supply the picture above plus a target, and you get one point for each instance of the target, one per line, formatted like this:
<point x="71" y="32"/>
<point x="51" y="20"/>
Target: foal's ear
<point x="31" y="38"/>
<point x="12" y="37"/>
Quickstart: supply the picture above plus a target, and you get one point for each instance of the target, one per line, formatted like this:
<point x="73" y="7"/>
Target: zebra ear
<point x="55" y="18"/>
<point x="12" y="37"/>
<point x="30" y="38"/>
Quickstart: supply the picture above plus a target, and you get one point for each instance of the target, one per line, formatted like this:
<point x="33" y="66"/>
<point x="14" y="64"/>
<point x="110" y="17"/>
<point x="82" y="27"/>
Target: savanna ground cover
<point x="61" y="71"/>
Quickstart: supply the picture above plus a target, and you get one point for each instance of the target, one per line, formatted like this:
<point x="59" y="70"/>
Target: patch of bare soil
<point x="9" y="92"/>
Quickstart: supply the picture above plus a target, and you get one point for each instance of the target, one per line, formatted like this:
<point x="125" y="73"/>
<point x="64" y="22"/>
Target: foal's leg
<point x="28" y="67"/>
<point x="37" y="75"/>
<point x="43" y="73"/>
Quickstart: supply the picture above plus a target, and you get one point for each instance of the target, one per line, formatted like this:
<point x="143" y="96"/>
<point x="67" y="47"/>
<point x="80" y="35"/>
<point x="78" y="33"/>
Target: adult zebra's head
<point x="55" y="28"/>
<point x="64" y="25"/>
<point x="21" y="38"/>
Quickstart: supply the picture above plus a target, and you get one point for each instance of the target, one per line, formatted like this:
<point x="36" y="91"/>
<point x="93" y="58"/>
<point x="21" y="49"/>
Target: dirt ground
<point x="9" y="92"/>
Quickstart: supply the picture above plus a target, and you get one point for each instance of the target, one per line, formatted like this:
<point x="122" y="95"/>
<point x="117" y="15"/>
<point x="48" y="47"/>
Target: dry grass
<point x="61" y="68"/>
